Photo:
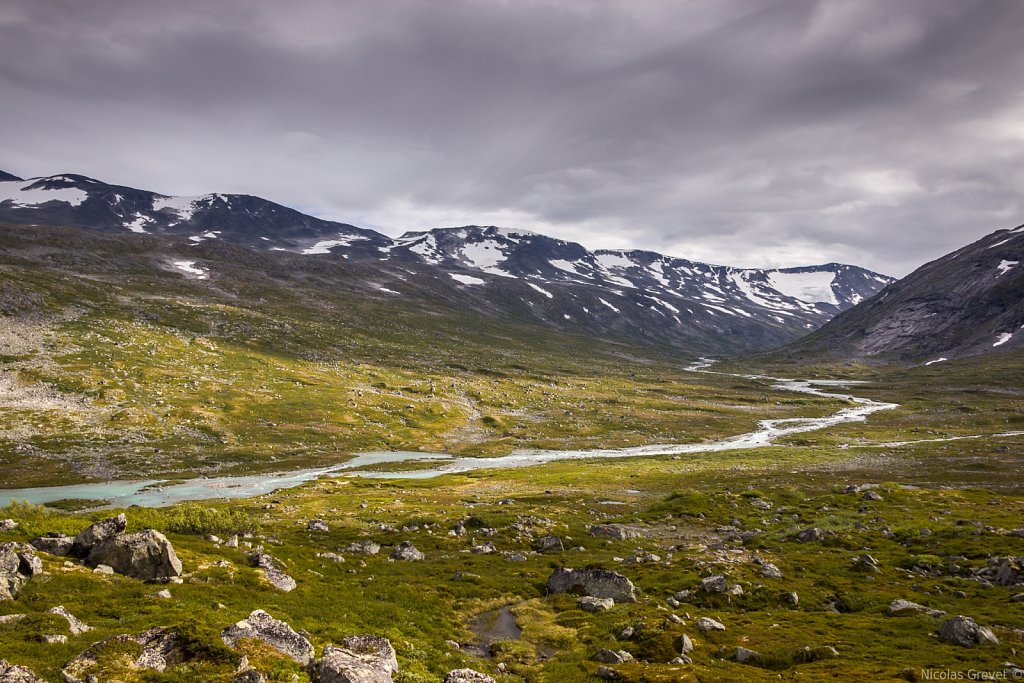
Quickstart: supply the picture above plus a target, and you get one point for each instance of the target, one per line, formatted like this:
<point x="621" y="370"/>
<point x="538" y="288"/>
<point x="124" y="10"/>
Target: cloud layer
<point x="748" y="133"/>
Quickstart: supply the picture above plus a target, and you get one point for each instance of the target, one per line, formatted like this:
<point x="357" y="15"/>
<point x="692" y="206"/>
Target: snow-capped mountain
<point x="502" y="271"/>
<point x="966" y="303"/>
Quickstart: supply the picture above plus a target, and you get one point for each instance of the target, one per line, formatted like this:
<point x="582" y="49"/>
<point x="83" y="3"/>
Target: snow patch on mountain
<point x="31" y="193"/>
<point x="1004" y="266"/>
<point x="811" y="287"/>
<point x="542" y="290"/>
<point x="467" y="279"/>
<point x="190" y="268"/>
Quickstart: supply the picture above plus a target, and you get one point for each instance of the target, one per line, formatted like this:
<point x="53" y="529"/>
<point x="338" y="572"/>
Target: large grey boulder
<point x="100" y="531"/>
<point x="146" y="555"/>
<point x="54" y="544"/>
<point x="361" y="659"/>
<point x="467" y="676"/>
<point x="277" y="634"/>
<point x="272" y="570"/>
<point x="961" y="630"/>
<point x="18" y="564"/>
<point x="160" y="648"/>
<point x="597" y="583"/>
<point x="10" y="673"/>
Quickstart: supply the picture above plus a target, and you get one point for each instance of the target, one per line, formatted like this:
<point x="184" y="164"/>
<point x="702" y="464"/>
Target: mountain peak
<point x="5" y="176"/>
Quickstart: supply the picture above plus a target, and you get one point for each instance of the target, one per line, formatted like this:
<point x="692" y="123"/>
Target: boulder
<point x="318" y="525"/>
<point x="363" y="548"/>
<point x="707" y="624"/>
<point x="685" y="644"/>
<point x="614" y="531"/>
<point x="866" y="563"/>
<point x="18" y="564"/>
<point x="160" y="648"/>
<point x="549" y="544"/>
<point x="146" y="555"/>
<point x="813" y="535"/>
<point x="589" y="604"/>
<point x="770" y="571"/>
<point x="596" y="583"/>
<point x="75" y="625"/>
<point x="100" y="531"/>
<point x="54" y="544"/>
<point x="277" y="634"/>
<point x="871" y="495"/>
<point x="961" y="630"/>
<point x="407" y="551"/>
<point x="613" y="657"/>
<point x="906" y="608"/>
<point x="271" y="569"/>
<point x="745" y="656"/>
<point x="361" y="659"/>
<point x="714" y="584"/>
<point x="10" y="673"/>
<point x="467" y="676"/>
<point x="8" y="525"/>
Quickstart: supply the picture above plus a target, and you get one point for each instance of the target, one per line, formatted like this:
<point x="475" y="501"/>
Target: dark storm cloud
<point x="748" y="133"/>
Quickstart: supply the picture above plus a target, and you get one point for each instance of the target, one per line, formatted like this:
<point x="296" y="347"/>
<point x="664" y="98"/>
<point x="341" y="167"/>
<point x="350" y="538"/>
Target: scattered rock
<point x="607" y="674"/>
<point x="643" y="557"/>
<point x="485" y="548"/>
<point x="333" y="557"/>
<point x="871" y="495"/>
<point x="685" y="644"/>
<point x="597" y="583"/>
<point x="681" y="659"/>
<point x="59" y="639"/>
<point x="163" y="594"/>
<point x="1019" y="597"/>
<point x="9" y="673"/>
<point x="707" y="624"/>
<point x="362" y="659"/>
<point x="277" y="634"/>
<point x="745" y="656"/>
<point x="590" y="604"/>
<point x="961" y="630"/>
<point x="813" y="535"/>
<point x="467" y="676"/>
<point x="160" y="648"/>
<point x="100" y="531"/>
<point x="103" y="569"/>
<point x="613" y="657"/>
<point x="407" y="551"/>
<point x="906" y="608"/>
<point x="549" y="544"/>
<point x="18" y="564"/>
<point x="866" y="563"/>
<point x="770" y="571"/>
<point x="363" y="548"/>
<point x="8" y="525"/>
<point x="614" y="531"/>
<point x="318" y="525"/>
<point x="232" y="542"/>
<point x="272" y="570"/>
<point x="714" y="584"/>
<point x="8" y="618"/>
<point x="54" y="544"/>
<point x="75" y="625"/>
<point x="146" y="555"/>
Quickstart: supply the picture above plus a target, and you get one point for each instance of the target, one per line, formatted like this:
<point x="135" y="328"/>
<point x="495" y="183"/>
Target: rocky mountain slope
<point x="966" y="303"/>
<point x="629" y="295"/>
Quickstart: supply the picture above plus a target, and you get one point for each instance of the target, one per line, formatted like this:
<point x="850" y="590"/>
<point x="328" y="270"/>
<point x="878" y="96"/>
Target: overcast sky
<point x="749" y="133"/>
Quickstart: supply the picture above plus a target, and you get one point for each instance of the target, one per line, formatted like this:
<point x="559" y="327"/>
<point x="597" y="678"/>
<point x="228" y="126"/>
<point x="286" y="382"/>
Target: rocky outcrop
<point x="160" y="648"/>
<point x="963" y="631"/>
<point x="272" y="570"/>
<point x="83" y="543"/>
<point x="277" y="634"/>
<point x="146" y="555"/>
<point x="597" y="583"/>
<point x="10" y="673"/>
<point x="18" y="564"/>
<point x="361" y="659"/>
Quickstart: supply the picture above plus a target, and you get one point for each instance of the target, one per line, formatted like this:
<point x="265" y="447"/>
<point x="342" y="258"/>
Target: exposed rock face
<point x="597" y="583"/>
<point x="271" y="569"/>
<point x="467" y="676"/>
<point x="277" y="634"/>
<point x="362" y="659"/>
<point x="614" y="531"/>
<point x="18" y="564"/>
<point x="76" y="625"/>
<point x="54" y="544"/>
<point x="906" y="608"/>
<point x="9" y="673"/>
<point x="408" y="552"/>
<point x="961" y="630"/>
<point x="100" y="531"/>
<point x="146" y="555"/>
<point x="160" y="649"/>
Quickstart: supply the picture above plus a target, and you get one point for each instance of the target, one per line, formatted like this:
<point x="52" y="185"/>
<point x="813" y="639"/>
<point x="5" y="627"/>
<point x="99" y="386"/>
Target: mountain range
<point x="505" y="273"/>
